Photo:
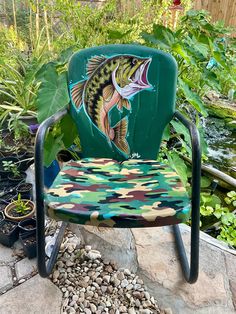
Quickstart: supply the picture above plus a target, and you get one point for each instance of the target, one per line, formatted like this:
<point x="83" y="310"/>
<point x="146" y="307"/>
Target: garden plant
<point x="33" y="81"/>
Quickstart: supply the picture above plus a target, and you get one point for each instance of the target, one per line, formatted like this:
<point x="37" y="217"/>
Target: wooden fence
<point x="219" y="9"/>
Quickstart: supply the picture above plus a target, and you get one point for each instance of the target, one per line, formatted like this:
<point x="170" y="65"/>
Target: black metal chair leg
<point x="190" y="272"/>
<point x="45" y="268"/>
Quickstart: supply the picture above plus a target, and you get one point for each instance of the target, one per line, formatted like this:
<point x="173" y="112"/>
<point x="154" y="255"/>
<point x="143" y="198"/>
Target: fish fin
<point x="108" y="92"/>
<point x="126" y="104"/>
<point x="77" y="93"/>
<point x="123" y="103"/>
<point x="120" y="131"/>
<point x="94" y="63"/>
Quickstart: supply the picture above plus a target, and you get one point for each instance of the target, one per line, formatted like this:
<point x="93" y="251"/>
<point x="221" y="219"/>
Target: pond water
<point x="221" y="145"/>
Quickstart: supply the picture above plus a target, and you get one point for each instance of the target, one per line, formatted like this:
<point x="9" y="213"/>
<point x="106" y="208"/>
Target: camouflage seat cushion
<point x="104" y="192"/>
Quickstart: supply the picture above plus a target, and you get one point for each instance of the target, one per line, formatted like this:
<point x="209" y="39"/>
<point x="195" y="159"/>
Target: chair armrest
<point x="196" y="163"/>
<point x="39" y="154"/>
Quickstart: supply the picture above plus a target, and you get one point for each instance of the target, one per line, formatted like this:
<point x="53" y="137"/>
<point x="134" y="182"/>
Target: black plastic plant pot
<point x="5" y="184"/>
<point x="25" y="160"/>
<point x="17" y="179"/>
<point x="25" y="190"/>
<point x="28" y="242"/>
<point x="1" y="216"/>
<point x="5" y="173"/>
<point x="27" y="226"/>
<point x="9" y="232"/>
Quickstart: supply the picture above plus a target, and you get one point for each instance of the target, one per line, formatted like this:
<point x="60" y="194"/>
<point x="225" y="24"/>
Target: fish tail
<point x="120" y="132"/>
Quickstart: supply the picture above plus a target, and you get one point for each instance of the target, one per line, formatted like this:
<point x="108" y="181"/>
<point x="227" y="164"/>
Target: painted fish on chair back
<point x="106" y="93"/>
<point x="111" y="82"/>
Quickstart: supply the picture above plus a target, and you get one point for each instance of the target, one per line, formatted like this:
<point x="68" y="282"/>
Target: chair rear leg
<point x="190" y="272"/>
<point x="45" y="268"/>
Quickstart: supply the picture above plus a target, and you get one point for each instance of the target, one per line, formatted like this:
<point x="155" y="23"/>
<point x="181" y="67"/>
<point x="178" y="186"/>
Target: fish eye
<point x="134" y="61"/>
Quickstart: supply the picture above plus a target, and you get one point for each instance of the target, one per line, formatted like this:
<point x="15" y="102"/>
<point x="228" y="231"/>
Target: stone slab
<point x="5" y="278"/>
<point x="114" y="244"/>
<point x="160" y="268"/>
<point x="6" y="255"/>
<point x="35" y="296"/>
<point x="25" y="267"/>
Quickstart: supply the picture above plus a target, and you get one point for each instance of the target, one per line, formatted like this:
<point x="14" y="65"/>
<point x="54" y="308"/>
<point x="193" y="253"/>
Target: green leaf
<point x="115" y="34"/>
<point x="53" y="93"/>
<point x="162" y="36"/>
<point x="181" y="129"/>
<point x="68" y="130"/>
<point x="51" y="148"/>
<point x="205" y="182"/>
<point x="179" y="165"/>
<point x="192" y="97"/>
<point x="166" y="133"/>
<point x="178" y="48"/>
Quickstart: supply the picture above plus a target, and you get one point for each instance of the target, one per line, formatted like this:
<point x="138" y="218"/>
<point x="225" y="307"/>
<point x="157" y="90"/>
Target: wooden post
<point x="47" y="28"/>
<point x="14" y="17"/>
<point x="37" y="20"/>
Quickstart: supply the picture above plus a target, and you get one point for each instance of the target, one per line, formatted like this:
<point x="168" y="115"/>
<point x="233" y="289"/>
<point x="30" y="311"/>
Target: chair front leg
<point x="44" y="268"/>
<point x="191" y="272"/>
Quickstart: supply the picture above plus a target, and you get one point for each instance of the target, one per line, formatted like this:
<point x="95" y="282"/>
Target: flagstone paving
<point x="148" y="252"/>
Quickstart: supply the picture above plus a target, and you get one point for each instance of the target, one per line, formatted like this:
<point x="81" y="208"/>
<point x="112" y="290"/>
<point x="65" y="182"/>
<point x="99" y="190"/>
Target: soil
<point x="24" y="188"/>
<point x="18" y="178"/>
<point x="7" y="227"/>
<point x="13" y="213"/>
<point x="30" y="240"/>
<point x="29" y="227"/>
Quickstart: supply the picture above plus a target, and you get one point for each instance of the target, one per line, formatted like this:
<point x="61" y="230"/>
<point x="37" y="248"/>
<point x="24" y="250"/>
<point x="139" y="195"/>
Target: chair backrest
<point x="122" y="97"/>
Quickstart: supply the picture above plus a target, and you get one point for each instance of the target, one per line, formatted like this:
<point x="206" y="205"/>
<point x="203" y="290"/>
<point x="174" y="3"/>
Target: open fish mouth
<point x="139" y="78"/>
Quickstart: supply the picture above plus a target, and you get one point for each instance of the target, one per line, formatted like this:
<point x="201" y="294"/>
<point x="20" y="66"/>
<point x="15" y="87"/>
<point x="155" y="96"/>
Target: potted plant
<point x="15" y="176"/>
<point x="5" y="150"/>
<point x="27" y="226"/>
<point x="25" y="189"/>
<point x="9" y="232"/>
<point x="19" y="209"/>
<point x="4" y="172"/>
<point x="28" y="242"/>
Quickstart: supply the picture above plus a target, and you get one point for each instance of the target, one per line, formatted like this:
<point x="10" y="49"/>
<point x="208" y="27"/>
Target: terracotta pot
<point x="10" y="206"/>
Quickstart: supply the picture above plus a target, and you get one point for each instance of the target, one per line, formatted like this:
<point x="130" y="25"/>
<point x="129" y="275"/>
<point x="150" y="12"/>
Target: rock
<point x="107" y="278"/>
<point x="93" y="307"/>
<point x="124" y="283"/>
<point x="114" y="244"/>
<point x="120" y="275"/>
<point x="93" y="254"/>
<point x="129" y="287"/>
<point x="5" y="278"/>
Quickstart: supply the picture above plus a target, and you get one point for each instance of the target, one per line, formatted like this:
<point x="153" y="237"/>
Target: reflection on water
<point x="221" y="145"/>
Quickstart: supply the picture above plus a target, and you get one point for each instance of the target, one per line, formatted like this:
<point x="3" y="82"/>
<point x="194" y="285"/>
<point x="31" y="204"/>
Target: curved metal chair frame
<point x="190" y="270"/>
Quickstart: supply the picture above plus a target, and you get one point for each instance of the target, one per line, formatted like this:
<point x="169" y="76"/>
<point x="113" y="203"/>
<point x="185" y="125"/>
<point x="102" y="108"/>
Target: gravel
<point x="91" y="285"/>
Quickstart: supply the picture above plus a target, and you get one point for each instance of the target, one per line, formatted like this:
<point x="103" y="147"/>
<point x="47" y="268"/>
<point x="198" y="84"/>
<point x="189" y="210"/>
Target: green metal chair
<point x="122" y="97"/>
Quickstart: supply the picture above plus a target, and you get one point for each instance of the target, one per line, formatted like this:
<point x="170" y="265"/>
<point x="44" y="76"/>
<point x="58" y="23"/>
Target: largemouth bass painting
<point x="111" y="82"/>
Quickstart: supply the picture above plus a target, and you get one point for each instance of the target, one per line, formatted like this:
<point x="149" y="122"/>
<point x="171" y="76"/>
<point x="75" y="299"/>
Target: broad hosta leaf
<point x="53" y="93"/>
